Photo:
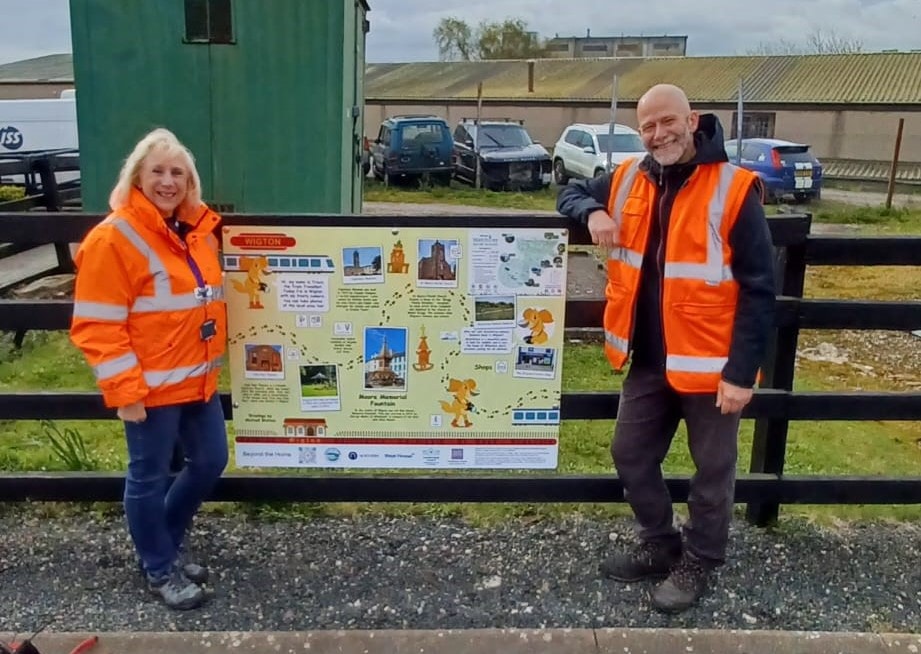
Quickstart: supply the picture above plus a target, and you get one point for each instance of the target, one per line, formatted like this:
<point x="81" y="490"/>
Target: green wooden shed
<point x="268" y="95"/>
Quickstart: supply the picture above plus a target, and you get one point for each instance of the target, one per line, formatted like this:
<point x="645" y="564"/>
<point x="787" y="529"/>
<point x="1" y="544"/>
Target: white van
<point x="31" y="125"/>
<point x="582" y="150"/>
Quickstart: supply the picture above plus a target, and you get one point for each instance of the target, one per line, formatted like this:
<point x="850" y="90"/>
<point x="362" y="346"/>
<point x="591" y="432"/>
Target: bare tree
<point x="509" y="39"/>
<point x="832" y="43"/>
<point x="779" y="47"/>
<point x="816" y="42"/>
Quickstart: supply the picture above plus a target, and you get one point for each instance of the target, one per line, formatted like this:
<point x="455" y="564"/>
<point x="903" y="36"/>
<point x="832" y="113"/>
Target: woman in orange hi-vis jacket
<point x="150" y="318"/>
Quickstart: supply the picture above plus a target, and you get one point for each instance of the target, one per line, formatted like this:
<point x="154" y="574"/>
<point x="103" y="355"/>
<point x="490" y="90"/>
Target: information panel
<point x="396" y="348"/>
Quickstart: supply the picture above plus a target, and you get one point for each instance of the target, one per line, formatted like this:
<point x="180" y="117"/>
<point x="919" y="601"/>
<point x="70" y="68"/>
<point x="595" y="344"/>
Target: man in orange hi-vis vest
<point x="690" y="301"/>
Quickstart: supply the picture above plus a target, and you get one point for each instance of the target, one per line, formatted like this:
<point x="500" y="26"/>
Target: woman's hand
<point x="133" y="412"/>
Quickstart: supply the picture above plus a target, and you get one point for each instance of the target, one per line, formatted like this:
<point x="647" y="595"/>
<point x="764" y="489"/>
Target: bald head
<point x="662" y="95"/>
<point x="667" y="124"/>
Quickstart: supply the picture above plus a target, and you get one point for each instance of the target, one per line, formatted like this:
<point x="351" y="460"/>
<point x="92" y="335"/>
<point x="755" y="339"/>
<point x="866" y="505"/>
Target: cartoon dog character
<point x="534" y="320"/>
<point x="461" y="406"/>
<point x="255" y="268"/>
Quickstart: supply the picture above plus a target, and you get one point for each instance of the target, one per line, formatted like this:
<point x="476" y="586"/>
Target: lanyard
<point x="196" y="271"/>
<point x="199" y="279"/>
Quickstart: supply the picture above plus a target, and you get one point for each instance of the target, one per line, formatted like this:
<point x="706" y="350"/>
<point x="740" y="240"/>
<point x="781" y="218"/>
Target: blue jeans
<point x="159" y="513"/>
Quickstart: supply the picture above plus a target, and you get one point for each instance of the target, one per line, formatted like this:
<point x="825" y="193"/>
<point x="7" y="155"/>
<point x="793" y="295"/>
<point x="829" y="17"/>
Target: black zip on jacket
<point x="752" y="258"/>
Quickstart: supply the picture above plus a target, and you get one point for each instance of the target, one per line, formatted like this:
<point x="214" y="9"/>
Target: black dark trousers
<point x="647" y="418"/>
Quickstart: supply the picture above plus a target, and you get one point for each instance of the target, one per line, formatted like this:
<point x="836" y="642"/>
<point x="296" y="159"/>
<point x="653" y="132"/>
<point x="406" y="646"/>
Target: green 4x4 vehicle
<point x="409" y="147"/>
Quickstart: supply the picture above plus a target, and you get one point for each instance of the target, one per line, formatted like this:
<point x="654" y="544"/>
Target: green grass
<point x="879" y="219"/>
<point x="48" y="361"/>
<point x="867" y="220"/>
<point x="460" y="194"/>
<point x="8" y="193"/>
<point x="316" y="390"/>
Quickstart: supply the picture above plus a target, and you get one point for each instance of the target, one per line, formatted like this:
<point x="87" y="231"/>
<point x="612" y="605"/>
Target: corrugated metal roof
<point x="50" y="68"/>
<point x="875" y="78"/>
<point x="866" y="78"/>
<point x="907" y="172"/>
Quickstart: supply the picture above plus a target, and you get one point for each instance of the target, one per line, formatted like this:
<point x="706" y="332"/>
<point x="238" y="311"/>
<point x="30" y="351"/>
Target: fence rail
<point x="764" y="489"/>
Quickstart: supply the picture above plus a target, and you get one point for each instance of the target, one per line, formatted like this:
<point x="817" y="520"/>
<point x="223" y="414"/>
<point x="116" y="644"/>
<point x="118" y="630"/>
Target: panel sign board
<point x="420" y="347"/>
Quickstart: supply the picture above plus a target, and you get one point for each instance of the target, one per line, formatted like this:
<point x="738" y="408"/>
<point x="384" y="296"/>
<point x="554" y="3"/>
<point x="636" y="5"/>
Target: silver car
<point x="582" y="150"/>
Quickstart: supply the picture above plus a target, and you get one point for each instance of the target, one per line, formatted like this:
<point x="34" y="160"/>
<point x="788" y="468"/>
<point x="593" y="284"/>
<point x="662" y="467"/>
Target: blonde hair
<point x="158" y="140"/>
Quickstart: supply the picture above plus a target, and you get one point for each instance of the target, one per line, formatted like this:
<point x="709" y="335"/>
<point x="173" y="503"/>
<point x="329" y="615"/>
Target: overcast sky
<point x="401" y="30"/>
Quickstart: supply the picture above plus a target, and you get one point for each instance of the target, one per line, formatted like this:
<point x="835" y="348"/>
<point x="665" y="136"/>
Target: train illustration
<point x="522" y="416"/>
<point x="279" y="263"/>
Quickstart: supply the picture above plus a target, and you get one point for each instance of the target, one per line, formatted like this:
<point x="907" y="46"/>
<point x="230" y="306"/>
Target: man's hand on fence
<point x="731" y="398"/>
<point x="603" y="228"/>
<point x="133" y="412"/>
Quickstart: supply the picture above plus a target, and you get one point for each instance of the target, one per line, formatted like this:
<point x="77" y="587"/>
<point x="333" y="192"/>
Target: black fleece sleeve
<point x="753" y="269"/>
<point x="580" y="198"/>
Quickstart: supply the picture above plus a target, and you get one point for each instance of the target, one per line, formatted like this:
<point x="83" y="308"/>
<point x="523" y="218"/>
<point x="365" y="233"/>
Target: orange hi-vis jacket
<point x="698" y="293"/>
<point x="150" y="329"/>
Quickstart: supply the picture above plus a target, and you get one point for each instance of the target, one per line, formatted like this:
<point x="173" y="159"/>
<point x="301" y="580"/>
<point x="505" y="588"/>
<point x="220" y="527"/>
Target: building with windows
<point x="295" y="427"/>
<point x="386" y="368"/>
<point x="580" y="47"/>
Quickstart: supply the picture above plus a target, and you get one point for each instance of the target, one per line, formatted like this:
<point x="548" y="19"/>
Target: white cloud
<point x="401" y="30"/>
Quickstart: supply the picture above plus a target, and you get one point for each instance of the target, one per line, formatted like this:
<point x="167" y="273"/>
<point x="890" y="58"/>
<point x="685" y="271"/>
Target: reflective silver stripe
<point x="680" y="363"/>
<point x="113" y="367"/>
<point x="623" y="191"/>
<point x="632" y="258"/>
<point x="616" y="341"/>
<point x="163" y="298"/>
<point x="698" y="271"/>
<point x="156" y="378"/>
<point x="154" y="264"/>
<point x="713" y="271"/>
<point x="182" y="302"/>
<point x="100" y="311"/>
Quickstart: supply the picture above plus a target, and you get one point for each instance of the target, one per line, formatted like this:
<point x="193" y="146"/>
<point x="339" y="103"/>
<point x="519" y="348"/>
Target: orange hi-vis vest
<point x="140" y="308"/>
<point x="698" y="292"/>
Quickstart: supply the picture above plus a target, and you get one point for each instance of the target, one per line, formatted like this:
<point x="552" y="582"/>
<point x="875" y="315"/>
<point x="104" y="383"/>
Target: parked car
<point x="787" y="168"/>
<point x="582" y="150"/>
<point x="365" y="156"/>
<point x="410" y="146"/>
<point x="509" y="158"/>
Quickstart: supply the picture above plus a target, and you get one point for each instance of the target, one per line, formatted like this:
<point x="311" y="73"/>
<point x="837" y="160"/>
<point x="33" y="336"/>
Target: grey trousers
<point x="648" y="415"/>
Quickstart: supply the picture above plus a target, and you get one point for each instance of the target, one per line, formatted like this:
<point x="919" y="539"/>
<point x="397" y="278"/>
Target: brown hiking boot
<point x="647" y="560"/>
<point x="684" y="586"/>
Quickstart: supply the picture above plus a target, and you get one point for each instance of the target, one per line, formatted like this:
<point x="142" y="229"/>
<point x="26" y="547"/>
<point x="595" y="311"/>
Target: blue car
<point x="409" y="147"/>
<point x="787" y="169"/>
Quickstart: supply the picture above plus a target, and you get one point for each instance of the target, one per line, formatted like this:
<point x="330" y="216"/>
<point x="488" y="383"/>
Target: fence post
<point x="895" y="164"/>
<point x="52" y="202"/>
<point x="769" y="446"/>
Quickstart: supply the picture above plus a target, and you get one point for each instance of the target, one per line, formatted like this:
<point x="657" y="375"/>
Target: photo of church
<point x="437" y="261"/>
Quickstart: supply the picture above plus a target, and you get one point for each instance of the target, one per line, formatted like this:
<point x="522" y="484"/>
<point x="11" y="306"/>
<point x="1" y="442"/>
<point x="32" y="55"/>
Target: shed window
<point x="208" y="21"/>
<point x="755" y="124"/>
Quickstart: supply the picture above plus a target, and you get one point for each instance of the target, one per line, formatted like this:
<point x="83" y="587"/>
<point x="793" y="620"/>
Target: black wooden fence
<point x="764" y="489"/>
<point x="37" y="174"/>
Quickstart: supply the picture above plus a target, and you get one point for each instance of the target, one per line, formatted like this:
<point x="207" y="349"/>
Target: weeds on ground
<point x="69" y="447"/>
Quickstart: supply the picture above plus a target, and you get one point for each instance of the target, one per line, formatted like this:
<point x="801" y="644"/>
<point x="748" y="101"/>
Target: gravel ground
<point x="379" y="573"/>
<point x="870" y="198"/>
